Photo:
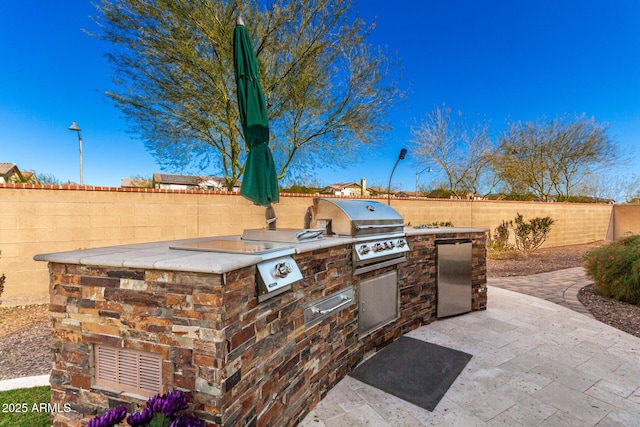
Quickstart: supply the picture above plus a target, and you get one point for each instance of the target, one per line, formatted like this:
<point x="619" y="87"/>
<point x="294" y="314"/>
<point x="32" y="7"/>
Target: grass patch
<point x="25" y="407"/>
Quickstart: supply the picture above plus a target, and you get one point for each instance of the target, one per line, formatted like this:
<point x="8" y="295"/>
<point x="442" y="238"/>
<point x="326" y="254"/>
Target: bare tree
<point x="551" y="158"/>
<point x="462" y="152"/>
<point x="46" y="178"/>
<point x="327" y="91"/>
<point x="634" y="198"/>
<point x="632" y="190"/>
<point x="142" y="181"/>
<point x="609" y="186"/>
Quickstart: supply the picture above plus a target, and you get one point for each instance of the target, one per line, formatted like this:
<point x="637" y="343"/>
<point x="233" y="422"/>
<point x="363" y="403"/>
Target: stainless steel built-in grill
<point x="356" y="218"/>
<point x="378" y="227"/>
<point x="380" y="242"/>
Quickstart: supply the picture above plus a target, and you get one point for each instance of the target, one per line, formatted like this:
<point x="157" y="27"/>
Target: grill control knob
<point x="282" y="270"/>
<point x="364" y="249"/>
<point x="391" y="245"/>
<point x="378" y="247"/>
<point x="401" y="243"/>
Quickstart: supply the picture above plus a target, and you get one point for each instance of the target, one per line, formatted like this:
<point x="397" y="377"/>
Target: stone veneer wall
<point x="240" y="362"/>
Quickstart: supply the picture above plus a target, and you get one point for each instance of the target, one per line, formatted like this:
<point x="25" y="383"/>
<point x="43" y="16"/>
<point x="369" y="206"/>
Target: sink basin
<point x="232" y="246"/>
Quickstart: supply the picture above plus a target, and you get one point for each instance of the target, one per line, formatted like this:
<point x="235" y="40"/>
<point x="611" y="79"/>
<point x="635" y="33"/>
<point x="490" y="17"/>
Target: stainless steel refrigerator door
<point x="454" y="278"/>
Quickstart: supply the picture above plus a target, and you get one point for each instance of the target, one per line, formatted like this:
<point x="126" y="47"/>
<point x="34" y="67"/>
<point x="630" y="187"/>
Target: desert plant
<point x="433" y="224"/>
<point x="2" y="280"/>
<point x="440" y="224"/>
<point x="501" y="233"/>
<point x="500" y="239"/>
<point x="498" y="246"/>
<point x="530" y="235"/>
<point x="615" y="269"/>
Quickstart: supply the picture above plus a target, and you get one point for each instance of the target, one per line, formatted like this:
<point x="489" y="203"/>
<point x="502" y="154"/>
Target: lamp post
<point x="401" y="156"/>
<point x="428" y="169"/>
<point x="74" y="126"/>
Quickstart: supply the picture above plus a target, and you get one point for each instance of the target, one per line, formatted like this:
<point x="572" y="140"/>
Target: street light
<point x="401" y="156"/>
<point x="74" y="126"/>
<point x="428" y="169"/>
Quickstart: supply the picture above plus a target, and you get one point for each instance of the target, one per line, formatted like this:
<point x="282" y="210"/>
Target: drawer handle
<point x="345" y="300"/>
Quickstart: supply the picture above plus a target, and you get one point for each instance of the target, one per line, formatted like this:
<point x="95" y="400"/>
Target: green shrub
<point x="441" y="224"/>
<point x="433" y="224"/>
<point x="500" y="239"/>
<point x="498" y="246"/>
<point x="615" y="269"/>
<point x="530" y="235"/>
<point x="2" y="279"/>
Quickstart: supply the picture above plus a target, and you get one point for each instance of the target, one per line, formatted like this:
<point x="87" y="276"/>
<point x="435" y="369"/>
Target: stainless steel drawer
<point x="325" y="307"/>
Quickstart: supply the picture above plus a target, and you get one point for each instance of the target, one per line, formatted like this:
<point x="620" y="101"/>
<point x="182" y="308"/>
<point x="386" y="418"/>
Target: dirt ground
<point x="25" y="341"/>
<point x="25" y="330"/>
<point x="541" y="261"/>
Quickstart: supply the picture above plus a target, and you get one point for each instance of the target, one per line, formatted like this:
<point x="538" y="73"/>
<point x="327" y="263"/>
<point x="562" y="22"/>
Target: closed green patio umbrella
<point x="259" y="182"/>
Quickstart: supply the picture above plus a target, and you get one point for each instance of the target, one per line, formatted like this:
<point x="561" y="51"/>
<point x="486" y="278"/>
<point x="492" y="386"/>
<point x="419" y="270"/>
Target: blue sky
<point x="495" y="59"/>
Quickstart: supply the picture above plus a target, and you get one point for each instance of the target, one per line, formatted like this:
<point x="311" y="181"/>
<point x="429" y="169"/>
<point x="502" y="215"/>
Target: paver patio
<point x="536" y="363"/>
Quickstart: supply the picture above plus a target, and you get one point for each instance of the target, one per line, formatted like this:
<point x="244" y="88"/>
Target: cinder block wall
<point x="626" y="220"/>
<point x="37" y="219"/>
<point x="575" y="223"/>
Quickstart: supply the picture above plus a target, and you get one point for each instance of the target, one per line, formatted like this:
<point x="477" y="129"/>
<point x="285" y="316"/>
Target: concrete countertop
<point x="413" y="231"/>
<point x="160" y="256"/>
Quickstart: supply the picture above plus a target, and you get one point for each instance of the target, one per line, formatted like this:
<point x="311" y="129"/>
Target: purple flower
<point x="152" y="403"/>
<point x="110" y="418"/>
<point x="187" y="420"/>
<point x="178" y="400"/>
<point x="140" y="419"/>
<point x="168" y="404"/>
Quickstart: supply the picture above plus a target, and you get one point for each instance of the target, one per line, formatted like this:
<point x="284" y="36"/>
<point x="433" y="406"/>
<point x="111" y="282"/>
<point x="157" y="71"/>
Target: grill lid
<point x="356" y="217"/>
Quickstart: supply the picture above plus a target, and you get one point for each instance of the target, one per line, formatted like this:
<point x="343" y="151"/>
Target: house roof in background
<point x="343" y="185"/>
<point x="192" y="180"/>
<point x="7" y="167"/>
<point x="166" y="178"/>
<point x="7" y="170"/>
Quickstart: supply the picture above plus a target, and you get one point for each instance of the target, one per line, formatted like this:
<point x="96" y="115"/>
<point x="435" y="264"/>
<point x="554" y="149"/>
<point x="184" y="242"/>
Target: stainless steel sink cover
<point x="232" y="246"/>
<point x="283" y="235"/>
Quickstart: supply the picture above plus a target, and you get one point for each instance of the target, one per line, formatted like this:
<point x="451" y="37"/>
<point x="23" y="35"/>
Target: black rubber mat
<point x="413" y="370"/>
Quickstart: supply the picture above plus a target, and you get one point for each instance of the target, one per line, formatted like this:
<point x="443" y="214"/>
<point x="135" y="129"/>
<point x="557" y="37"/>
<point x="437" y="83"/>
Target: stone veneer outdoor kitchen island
<point x="239" y="361"/>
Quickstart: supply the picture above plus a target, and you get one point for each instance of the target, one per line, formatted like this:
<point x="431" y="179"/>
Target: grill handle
<point x="372" y="226"/>
<point x="345" y="300"/>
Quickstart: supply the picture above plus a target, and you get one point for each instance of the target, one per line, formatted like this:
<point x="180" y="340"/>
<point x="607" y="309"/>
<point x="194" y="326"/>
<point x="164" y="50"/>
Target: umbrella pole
<point x="271" y="218"/>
